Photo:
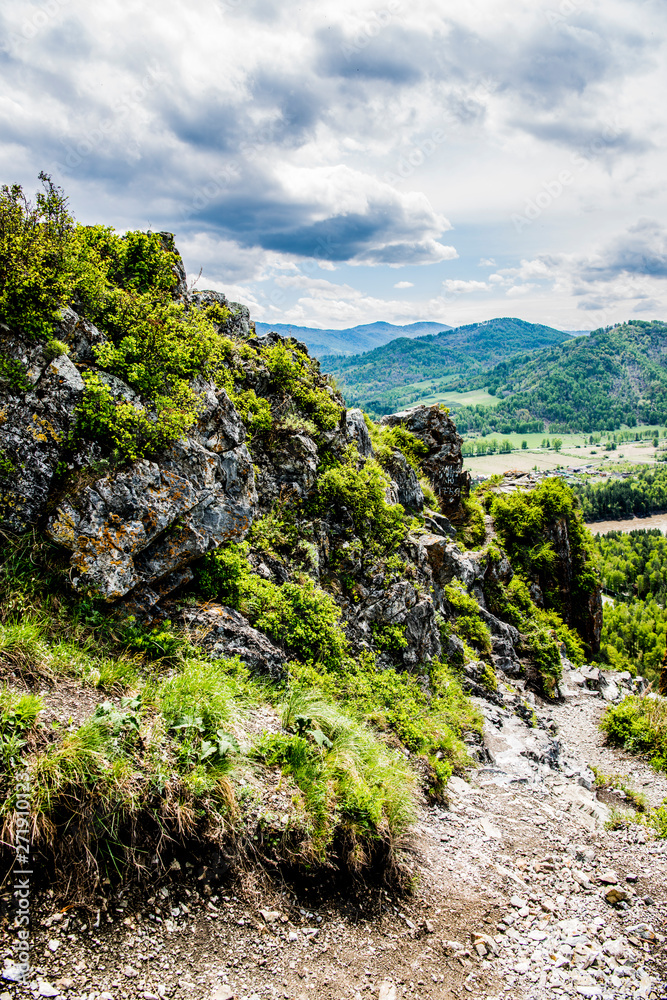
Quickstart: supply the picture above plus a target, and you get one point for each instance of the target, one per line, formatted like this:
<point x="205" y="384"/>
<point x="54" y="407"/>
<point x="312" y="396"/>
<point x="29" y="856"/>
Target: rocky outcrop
<point x="358" y="433"/>
<point x="37" y="417"/>
<point x="443" y="462"/>
<point x="405" y="488"/>
<point x="143" y="524"/>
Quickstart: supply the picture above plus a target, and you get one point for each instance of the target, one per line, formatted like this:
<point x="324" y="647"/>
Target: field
<point x="462" y="398"/>
<point x="575" y="452"/>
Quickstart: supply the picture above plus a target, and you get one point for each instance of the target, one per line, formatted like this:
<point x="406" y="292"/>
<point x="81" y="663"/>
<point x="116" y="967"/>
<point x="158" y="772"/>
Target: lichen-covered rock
<point x="39" y="401"/>
<point x="224" y="633"/>
<point x="443" y="462"/>
<point x="142" y="524"/>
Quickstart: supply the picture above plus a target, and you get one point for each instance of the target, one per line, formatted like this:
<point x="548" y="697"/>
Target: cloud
<point x="458" y="287"/>
<point x="404" y="284"/>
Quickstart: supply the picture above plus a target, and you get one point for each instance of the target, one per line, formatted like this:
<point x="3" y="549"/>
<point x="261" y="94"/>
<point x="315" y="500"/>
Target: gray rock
<point x="358" y="432"/>
<point x="35" y="429"/>
<point x="224" y="632"/>
<point x="144" y="524"/>
<point x="443" y="462"/>
<point x="406" y="489"/>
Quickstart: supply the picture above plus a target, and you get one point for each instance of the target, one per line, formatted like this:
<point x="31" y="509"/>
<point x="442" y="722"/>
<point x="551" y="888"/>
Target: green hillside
<point x="406" y="371"/>
<point x="615" y="376"/>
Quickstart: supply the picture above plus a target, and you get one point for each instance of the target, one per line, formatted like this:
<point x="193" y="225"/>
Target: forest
<point x="632" y="570"/>
<point x="614" y="377"/>
<point x="639" y="495"/>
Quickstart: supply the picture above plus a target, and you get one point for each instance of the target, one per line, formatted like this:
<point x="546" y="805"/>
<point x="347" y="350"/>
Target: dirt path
<point x="508" y="903"/>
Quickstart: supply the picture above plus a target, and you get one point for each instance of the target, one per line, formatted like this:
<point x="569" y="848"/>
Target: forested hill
<point x="351" y="341"/>
<point x="371" y="380"/>
<point x="615" y="376"/>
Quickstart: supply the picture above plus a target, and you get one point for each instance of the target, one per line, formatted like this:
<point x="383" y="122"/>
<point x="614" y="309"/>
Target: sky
<point x="337" y="163"/>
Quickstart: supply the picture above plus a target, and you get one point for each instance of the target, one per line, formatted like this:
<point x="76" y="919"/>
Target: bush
<point x="294" y="372"/>
<point x="639" y="725"/>
<point x="361" y="491"/>
<point x="468" y="624"/>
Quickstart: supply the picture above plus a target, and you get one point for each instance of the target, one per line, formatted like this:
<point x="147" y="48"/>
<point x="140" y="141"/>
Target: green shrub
<point x="295" y="372"/>
<point x="221" y="572"/>
<point x="13" y="375"/>
<point x="299" y="616"/>
<point x="639" y="725"/>
<point x="468" y="624"/>
<point x="389" y="637"/>
<point x="200" y="697"/>
<point x="522" y="520"/>
<point x="361" y="491"/>
<point x="471" y="533"/>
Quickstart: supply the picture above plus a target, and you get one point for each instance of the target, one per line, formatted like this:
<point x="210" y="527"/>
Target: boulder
<point x="144" y="523"/>
<point x="224" y="632"/>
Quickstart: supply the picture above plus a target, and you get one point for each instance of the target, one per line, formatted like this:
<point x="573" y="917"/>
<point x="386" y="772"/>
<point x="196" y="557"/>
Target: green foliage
<point x="361" y="491"/>
<point x="634" y="636"/>
<point x="389" y="637"/>
<point x="524" y="521"/>
<point x="613" y="377"/>
<point x="467" y="624"/>
<point x="294" y="372"/>
<point x="407" y="370"/>
<point x="632" y="564"/>
<point x="13" y="375"/>
<point x="200" y="697"/>
<point x="277" y="532"/>
<point x="543" y="631"/>
<point x="40" y="263"/>
<point x="55" y="349"/>
<point x="641" y="494"/>
<point x="639" y="725"/>
<point x="350" y="781"/>
<point x="471" y="533"/>
<point x="18" y="715"/>
<point x="221" y="572"/>
<point x="299" y="616"/>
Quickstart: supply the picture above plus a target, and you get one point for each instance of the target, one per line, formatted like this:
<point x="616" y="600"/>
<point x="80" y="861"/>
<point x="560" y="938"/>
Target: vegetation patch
<point x="639" y="725"/>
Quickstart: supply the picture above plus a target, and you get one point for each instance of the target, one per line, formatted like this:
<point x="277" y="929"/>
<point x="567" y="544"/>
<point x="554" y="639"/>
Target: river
<point x="629" y="524"/>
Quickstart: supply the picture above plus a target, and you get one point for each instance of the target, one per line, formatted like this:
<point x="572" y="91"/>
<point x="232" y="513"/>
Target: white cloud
<point x="458" y="287"/>
<point x="404" y="284"/>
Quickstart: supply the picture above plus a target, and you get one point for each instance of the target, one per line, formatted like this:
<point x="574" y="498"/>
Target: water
<point x="629" y="524"/>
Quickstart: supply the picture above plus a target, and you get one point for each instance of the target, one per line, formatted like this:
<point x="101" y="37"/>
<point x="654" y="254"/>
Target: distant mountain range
<point x="354" y="340"/>
<point x="401" y="372"/>
<point x="614" y="376"/>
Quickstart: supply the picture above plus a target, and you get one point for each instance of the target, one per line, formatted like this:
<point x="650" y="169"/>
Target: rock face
<point x="443" y="462"/>
<point x="38" y="415"/>
<point x="145" y="523"/>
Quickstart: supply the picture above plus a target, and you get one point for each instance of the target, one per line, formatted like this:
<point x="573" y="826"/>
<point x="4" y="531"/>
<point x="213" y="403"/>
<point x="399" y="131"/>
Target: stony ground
<point x="510" y="901"/>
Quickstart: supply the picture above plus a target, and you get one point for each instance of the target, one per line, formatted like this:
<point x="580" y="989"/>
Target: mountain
<point x="351" y="341"/>
<point x="614" y="376"/>
<point x="394" y="375"/>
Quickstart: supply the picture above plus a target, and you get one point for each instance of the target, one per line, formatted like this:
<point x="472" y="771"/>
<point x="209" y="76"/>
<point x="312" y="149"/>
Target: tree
<point x="558" y="444"/>
<point x="524" y="445"/>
